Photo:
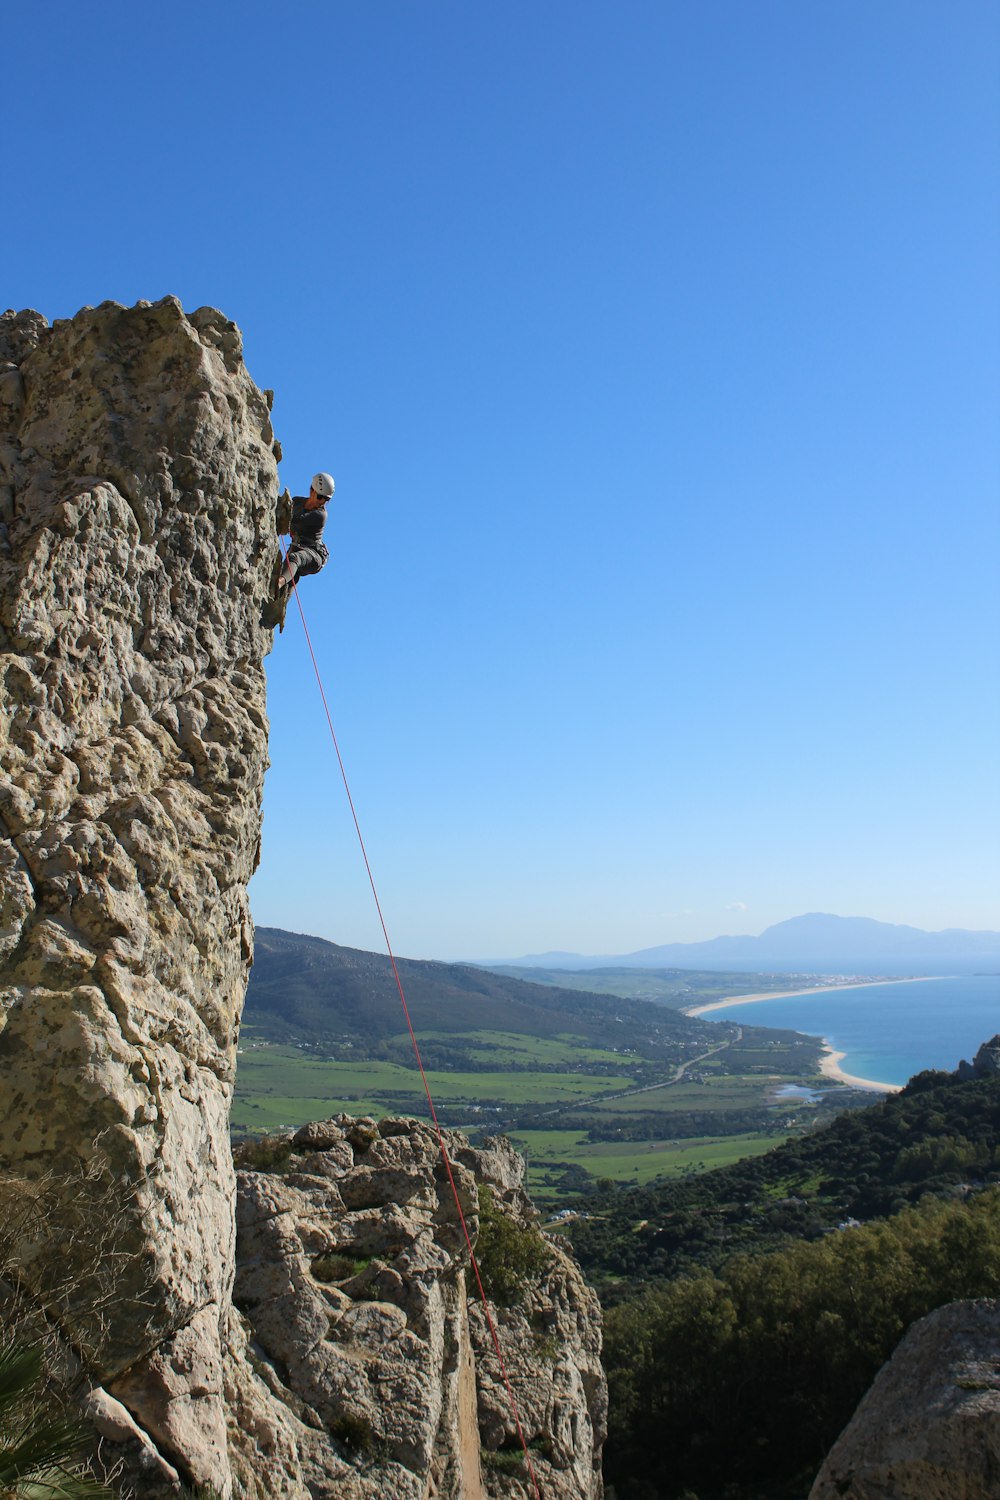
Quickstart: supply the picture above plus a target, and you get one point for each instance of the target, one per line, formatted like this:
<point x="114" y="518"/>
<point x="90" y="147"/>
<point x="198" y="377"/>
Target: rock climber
<point x="307" y="554"/>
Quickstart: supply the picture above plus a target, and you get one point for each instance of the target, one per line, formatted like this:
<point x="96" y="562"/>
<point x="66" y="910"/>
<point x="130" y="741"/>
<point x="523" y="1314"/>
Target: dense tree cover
<point x="936" y="1134"/>
<point x="679" y="1124"/>
<point x="733" y="1386"/>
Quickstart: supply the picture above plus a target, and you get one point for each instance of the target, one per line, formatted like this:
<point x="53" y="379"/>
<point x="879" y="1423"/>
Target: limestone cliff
<point x="929" y="1428"/>
<point x="138" y="491"/>
<point x="138" y="484"/>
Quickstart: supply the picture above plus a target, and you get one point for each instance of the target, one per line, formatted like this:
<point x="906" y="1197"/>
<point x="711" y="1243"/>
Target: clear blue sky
<point x="654" y="348"/>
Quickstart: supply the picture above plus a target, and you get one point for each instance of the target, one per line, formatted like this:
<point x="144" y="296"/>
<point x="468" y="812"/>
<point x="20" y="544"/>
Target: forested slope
<point x="940" y="1132"/>
<point x="750" y="1309"/>
<point x="733" y="1386"/>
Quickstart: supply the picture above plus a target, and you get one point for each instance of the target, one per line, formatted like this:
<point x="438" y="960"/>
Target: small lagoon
<point x="891" y="1030"/>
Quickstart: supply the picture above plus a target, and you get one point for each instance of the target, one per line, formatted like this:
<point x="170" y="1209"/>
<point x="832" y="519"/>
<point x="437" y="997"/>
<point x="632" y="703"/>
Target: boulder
<point x="929" y="1427"/>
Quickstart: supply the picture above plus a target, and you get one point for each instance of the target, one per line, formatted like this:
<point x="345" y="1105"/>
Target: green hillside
<point x="307" y="989"/>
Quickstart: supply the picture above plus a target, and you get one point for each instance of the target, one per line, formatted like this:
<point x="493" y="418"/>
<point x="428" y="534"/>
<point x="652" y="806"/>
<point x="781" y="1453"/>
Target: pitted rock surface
<point x="138" y="486"/>
<point x="929" y="1428"/>
<point x="352" y="1270"/>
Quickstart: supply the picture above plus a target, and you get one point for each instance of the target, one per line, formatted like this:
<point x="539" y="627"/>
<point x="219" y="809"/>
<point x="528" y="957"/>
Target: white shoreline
<point x="829" y="1064"/>
<point x="803" y="994"/>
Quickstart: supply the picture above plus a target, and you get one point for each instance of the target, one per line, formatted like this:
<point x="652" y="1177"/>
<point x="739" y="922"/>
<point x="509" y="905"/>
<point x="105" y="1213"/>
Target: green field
<point x="503" y="1049"/>
<point x="281" y="1087"/>
<point x="524" y="1086"/>
<point x="635" y="1163"/>
<point x="727" y="1091"/>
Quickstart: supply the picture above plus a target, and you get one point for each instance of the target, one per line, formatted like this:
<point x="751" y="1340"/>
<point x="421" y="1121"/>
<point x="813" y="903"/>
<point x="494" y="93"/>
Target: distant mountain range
<point x="816" y="943"/>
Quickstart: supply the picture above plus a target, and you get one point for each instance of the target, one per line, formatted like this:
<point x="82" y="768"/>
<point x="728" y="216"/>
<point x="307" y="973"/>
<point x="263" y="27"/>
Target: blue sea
<point x="889" y="1031"/>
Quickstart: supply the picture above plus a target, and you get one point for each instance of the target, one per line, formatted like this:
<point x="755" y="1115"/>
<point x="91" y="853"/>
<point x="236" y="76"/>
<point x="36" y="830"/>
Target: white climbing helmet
<point x="323" y="485"/>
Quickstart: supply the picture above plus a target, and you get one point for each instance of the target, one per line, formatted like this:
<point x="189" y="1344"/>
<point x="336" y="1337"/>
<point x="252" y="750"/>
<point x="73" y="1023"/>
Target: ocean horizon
<point x="888" y="1030"/>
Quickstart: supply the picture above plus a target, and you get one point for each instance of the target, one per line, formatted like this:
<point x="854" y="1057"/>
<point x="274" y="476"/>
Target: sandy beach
<point x="829" y="1066"/>
<point x="803" y="994"/>
<point x="830" y="1061"/>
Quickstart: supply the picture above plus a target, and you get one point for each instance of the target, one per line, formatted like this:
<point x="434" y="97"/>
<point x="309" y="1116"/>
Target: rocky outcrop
<point x="137" y="491"/>
<point x="985" y="1064"/>
<point x="138" y="485"/>
<point x="352" y="1270"/>
<point x="929" y="1428"/>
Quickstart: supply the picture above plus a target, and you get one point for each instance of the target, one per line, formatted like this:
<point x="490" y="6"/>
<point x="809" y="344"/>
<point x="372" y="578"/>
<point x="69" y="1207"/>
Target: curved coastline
<point x="829" y="1066"/>
<point x="830" y="1061"/>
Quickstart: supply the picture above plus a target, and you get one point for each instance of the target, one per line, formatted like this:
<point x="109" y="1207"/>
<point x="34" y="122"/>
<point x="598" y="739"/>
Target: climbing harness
<point x="416" y="1049"/>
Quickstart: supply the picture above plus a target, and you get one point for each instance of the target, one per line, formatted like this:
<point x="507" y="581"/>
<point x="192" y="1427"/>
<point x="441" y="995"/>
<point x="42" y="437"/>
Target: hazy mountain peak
<point x="814" y="942"/>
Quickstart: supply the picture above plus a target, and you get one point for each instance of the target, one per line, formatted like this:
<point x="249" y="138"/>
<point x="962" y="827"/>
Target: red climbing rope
<point x="416" y="1051"/>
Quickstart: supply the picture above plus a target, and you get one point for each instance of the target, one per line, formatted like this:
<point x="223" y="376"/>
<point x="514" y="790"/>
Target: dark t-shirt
<point x="307" y="525"/>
